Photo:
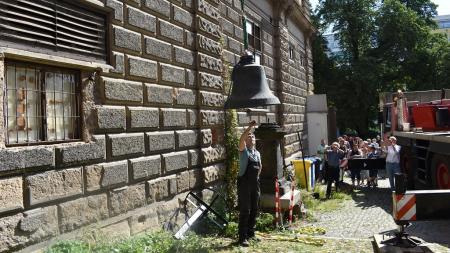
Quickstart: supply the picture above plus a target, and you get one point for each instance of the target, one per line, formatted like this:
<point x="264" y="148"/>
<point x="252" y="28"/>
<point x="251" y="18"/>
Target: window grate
<point x="41" y="104"/>
<point x="54" y="25"/>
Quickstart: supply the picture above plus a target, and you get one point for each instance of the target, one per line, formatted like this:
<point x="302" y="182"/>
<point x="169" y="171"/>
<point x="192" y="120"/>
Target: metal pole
<point x="244" y="25"/>
<point x="303" y="159"/>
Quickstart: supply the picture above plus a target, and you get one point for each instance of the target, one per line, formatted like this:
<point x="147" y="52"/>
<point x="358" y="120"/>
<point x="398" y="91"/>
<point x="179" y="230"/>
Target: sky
<point x="443" y="6"/>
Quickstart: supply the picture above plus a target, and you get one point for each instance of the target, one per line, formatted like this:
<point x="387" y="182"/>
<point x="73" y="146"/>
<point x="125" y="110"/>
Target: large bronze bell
<point x="250" y="88"/>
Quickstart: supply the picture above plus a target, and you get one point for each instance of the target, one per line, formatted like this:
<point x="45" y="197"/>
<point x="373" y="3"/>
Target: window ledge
<point x="18" y="54"/>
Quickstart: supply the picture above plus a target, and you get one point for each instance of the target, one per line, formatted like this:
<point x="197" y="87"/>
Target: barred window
<point x="41" y="104"/>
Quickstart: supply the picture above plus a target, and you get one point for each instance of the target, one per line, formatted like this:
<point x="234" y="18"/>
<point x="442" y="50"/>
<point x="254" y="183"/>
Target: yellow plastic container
<point x="300" y="173"/>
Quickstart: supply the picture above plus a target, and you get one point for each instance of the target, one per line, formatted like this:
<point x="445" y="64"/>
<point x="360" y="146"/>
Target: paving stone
<point x="141" y="19"/>
<point x="127" y="198"/>
<point x="52" y="185"/>
<point x="83" y="211"/>
<point x="127" y="39"/>
<point x="11" y="194"/>
<point x="158" y="48"/>
<point x="145" y="167"/>
<point x="143" y="117"/>
<point x="161" y="141"/>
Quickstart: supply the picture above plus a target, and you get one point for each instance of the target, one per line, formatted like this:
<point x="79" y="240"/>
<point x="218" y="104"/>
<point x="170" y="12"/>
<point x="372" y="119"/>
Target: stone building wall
<point x="152" y="118"/>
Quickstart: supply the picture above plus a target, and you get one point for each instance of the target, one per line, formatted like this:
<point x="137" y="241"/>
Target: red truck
<point x="420" y="121"/>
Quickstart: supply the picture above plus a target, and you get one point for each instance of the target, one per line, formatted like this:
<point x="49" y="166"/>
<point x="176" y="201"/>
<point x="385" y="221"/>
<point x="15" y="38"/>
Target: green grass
<point x="322" y="204"/>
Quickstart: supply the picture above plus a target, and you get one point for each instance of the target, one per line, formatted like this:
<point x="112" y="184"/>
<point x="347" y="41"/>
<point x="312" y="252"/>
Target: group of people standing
<point x="337" y="155"/>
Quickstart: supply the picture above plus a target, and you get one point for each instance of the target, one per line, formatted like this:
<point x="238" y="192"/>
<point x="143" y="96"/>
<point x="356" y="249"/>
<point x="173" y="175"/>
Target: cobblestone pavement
<point x="369" y="212"/>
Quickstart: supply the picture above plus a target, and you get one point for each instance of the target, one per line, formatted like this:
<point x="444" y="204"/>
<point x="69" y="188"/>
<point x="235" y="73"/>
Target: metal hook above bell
<point x="250" y="87"/>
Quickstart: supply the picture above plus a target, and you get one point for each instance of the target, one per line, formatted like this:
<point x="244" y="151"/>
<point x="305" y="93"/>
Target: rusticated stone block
<point x="10" y="239"/>
<point x="183" y="181"/>
<point x="160" y="141"/>
<point x="210" y="63"/>
<point x="84" y="211"/>
<point x="175" y="161"/>
<point x="117" y="230"/>
<point x="192" y="117"/>
<point x="158" y="189"/>
<point x="210" y="118"/>
<point x="121" y="90"/>
<point x="143" y="117"/>
<point x="117" y="7"/>
<point x="127" y="198"/>
<point x="126" y="144"/>
<point x="171" y="31"/>
<point x="141" y="19"/>
<point x="206" y="137"/>
<point x="233" y="15"/>
<point x="229" y="57"/>
<point x="159" y="94"/>
<point x="11" y="194"/>
<point x="184" y="56"/>
<point x="208" y="45"/>
<point x="196" y="178"/>
<point x="173" y="117"/>
<point x="173" y="75"/>
<point x="145" y="220"/>
<point x="194" y="157"/>
<point x="186" y="138"/>
<point x="227" y="26"/>
<point x="267" y="48"/>
<point x="186" y="97"/>
<point x="214" y="173"/>
<point x="26" y="157"/>
<point x="158" y="48"/>
<point x="211" y="99"/>
<point x="183" y="17"/>
<point x="190" y="39"/>
<point x="118" y="63"/>
<point x="111" y="117"/>
<point x="207" y="9"/>
<point x="39" y="223"/>
<point x="52" y="185"/>
<point x="144" y="167"/>
<point x="160" y="6"/>
<point x="79" y="153"/>
<point x="213" y="154"/>
<point x="106" y="175"/>
<point x="208" y="27"/>
<point x="234" y="45"/>
<point x="127" y="39"/>
<point x="191" y="78"/>
<point x="142" y="67"/>
<point x="210" y="81"/>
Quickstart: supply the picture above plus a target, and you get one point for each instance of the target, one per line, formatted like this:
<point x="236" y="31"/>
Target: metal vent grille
<point x="53" y="25"/>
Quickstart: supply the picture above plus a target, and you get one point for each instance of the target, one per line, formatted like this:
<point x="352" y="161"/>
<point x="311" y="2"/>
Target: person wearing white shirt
<point x="392" y="159"/>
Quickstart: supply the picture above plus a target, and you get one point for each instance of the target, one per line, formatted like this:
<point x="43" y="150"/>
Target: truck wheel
<point x="440" y="172"/>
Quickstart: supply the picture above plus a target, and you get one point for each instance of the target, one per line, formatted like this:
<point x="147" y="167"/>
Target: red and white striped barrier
<point x="404" y="207"/>
<point x="291" y="203"/>
<point x="277" y="203"/>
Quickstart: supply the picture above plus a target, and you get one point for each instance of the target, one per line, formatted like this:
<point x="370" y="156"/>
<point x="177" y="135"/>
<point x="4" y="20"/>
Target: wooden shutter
<point x="53" y="25"/>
